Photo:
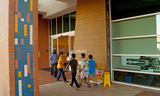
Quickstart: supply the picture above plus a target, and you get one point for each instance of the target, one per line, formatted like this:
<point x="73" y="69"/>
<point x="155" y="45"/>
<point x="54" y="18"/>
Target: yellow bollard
<point x="107" y="79"/>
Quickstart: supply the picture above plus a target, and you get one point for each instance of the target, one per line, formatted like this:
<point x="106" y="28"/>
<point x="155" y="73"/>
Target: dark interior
<point x="128" y="8"/>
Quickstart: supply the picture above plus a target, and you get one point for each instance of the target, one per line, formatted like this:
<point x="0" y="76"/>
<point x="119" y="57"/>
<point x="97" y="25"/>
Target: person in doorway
<point x="54" y="61"/>
<point x="60" y="68"/>
<point x="91" y="70"/>
<point x="68" y="57"/>
<point x="84" y="69"/>
<point x="73" y="63"/>
<point x="68" y="60"/>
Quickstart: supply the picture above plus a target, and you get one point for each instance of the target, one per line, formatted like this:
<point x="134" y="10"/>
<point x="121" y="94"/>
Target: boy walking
<point x="91" y="70"/>
<point x="60" y="69"/>
<point x="73" y="63"/>
<point x="84" y="69"/>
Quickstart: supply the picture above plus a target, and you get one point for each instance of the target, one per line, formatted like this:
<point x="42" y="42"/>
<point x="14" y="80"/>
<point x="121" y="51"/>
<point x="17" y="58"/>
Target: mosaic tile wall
<point x="108" y="38"/>
<point x="24" y="83"/>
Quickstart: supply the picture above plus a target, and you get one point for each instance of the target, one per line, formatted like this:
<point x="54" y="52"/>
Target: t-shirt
<point x="91" y="67"/>
<point x="54" y="58"/>
<point x="73" y="63"/>
<point x="60" y="65"/>
<point x="84" y="62"/>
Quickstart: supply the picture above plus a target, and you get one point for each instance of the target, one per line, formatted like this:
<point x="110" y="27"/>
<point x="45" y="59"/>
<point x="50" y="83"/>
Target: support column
<point x="91" y="30"/>
<point x="26" y="47"/>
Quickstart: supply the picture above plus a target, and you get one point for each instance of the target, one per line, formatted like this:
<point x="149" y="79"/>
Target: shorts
<point x="93" y="75"/>
<point x="84" y="74"/>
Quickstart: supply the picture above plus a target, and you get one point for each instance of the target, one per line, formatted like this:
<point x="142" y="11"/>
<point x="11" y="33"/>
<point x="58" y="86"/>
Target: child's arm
<point x="68" y="64"/>
<point x="83" y="68"/>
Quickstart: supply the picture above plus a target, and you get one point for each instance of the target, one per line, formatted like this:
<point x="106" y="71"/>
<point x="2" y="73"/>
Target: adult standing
<point x="54" y="61"/>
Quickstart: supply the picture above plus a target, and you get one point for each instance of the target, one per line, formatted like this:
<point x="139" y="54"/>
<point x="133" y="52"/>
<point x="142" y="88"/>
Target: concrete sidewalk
<point x="63" y="89"/>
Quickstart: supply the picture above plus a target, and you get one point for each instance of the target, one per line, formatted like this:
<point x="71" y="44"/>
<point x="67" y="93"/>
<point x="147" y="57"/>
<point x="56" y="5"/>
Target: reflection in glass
<point x="137" y="63"/>
<point x="137" y="78"/>
<point x="73" y="20"/>
<point x="158" y="43"/>
<point x="158" y="23"/>
<point x="135" y="46"/>
<point x="59" y="24"/>
<point x="53" y="26"/>
<point x="49" y="27"/>
<point x="66" y="23"/>
<point x="134" y="27"/>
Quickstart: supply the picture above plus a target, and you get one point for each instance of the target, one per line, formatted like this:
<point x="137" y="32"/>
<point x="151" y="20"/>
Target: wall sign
<point x="80" y="51"/>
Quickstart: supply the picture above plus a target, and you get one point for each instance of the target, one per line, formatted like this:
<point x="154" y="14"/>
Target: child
<point x="73" y="63"/>
<point x="91" y="70"/>
<point x="60" y="68"/>
<point x="84" y="68"/>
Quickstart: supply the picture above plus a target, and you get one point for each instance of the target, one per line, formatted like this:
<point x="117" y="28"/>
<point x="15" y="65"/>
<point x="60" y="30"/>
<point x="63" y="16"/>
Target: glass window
<point x="137" y="63"/>
<point x="49" y="27"/>
<point x="73" y="20"/>
<point x="137" y="78"/>
<point x="128" y="8"/>
<point x="137" y="46"/>
<point x="50" y="48"/>
<point x="59" y="24"/>
<point x="134" y="27"/>
<point x="66" y="23"/>
<point x="53" y="26"/>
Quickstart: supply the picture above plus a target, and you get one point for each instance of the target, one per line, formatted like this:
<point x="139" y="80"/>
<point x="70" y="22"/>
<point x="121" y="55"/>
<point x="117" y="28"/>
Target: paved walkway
<point x="63" y="89"/>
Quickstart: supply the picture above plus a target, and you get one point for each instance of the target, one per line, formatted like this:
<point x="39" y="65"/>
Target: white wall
<point x="53" y="8"/>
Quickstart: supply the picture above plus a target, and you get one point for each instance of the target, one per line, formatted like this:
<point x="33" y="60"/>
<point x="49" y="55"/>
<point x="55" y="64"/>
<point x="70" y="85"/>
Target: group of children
<point x="87" y="68"/>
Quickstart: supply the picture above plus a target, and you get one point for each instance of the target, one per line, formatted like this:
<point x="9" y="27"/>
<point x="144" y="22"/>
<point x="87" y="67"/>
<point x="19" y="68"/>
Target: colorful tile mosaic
<point x="108" y="38"/>
<point x="24" y="47"/>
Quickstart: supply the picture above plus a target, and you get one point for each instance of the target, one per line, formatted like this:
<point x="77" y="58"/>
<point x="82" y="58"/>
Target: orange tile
<point x="16" y="64"/>
<point x="16" y="3"/>
<point x="19" y="14"/>
<point x="22" y="41"/>
<point x="28" y="17"/>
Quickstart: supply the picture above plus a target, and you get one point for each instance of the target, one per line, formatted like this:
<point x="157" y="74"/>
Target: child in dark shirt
<point x="73" y="63"/>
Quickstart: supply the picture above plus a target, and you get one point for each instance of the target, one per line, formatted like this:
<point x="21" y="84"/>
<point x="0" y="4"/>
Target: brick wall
<point x="43" y="42"/>
<point x="4" y="48"/>
<point x="91" y="29"/>
<point x="11" y="47"/>
<point x="35" y="48"/>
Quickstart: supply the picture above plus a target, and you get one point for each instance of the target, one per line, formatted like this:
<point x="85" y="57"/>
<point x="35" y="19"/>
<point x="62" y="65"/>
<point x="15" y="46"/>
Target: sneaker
<point x="71" y="86"/>
<point x="80" y="84"/>
<point x="95" y="84"/>
<point x="58" y="80"/>
<point x="66" y="81"/>
<point x="86" y="82"/>
<point x="78" y="88"/>
<point x="89" y="85"/>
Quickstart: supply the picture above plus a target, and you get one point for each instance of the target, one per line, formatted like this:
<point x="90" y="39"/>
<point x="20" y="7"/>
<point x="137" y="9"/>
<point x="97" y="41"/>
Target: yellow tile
<point x="29" y="85"/>
<point x="31" y="5"/>
<point x="25" y="29"/>
<point x="19" y="74"/>
<point x="16" y="23"/>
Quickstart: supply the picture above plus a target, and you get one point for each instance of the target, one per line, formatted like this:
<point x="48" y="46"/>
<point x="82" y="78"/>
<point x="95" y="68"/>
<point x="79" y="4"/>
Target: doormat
<point x="49" y="70"/>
